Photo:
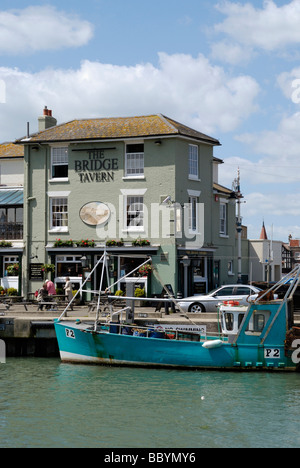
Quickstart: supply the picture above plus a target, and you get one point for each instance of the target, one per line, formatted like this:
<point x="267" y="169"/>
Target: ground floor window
<point x="9" y="261"/>
<point x="69" y="265"/>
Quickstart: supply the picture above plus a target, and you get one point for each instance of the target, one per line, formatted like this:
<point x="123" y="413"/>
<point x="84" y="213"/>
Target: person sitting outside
<point x="50" y="288"/>
<point x="42" y="296"/>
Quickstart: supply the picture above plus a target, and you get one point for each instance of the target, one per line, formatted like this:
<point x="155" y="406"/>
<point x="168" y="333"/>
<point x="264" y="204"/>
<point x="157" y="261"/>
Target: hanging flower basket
<point x="48" y="268"/>
<point x="145" y="270"/>
<point x="13" y="270"/>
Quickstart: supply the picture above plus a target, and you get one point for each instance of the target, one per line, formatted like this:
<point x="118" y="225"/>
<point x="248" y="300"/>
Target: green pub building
<point x="140" y="187"/>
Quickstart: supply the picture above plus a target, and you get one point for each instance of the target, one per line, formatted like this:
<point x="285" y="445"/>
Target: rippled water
<point x="44" y="403"/>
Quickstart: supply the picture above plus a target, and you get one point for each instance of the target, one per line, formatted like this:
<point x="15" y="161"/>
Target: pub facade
<point x="139" y="187"/>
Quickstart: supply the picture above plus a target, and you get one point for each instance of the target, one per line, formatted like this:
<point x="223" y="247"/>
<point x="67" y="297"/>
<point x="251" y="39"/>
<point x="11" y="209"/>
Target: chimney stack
<point x="46" y="121"/>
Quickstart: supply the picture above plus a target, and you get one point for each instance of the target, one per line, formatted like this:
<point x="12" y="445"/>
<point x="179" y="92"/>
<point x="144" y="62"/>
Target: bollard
<point x="130" y="302"/>
<point x="166" y="304"/>
<point x="173" y="305"/>
<point x="2" y="352"/>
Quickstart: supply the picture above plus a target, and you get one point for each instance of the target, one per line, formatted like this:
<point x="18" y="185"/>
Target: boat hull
<point x="79" y="345"/>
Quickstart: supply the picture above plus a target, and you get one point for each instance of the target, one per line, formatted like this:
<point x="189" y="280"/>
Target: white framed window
<point x="134" y="213"/>
<point x="8" y="261"/>
<point x="193" y="210"/>
<point x="193" y="162"/>
<point x="59" y="214"/>
<point x="59" y="162"/>
<point x="134" y="160"/>
<point x="230" y="267"/>
<point x="193" y="214"/>
<point x="68" y="265"/>
<point x="223" y="219"/>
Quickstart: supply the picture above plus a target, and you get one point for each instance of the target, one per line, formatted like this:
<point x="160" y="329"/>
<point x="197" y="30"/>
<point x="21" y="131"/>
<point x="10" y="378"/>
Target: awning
<point x="11" y="197"/>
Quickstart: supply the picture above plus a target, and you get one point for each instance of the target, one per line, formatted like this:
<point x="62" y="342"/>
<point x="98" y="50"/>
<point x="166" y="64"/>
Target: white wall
<point x="12" y="172"/>
<point x="260" y="255"/>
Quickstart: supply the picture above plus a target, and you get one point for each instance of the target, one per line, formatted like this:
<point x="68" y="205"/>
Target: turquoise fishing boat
<point x="258" y="337"/>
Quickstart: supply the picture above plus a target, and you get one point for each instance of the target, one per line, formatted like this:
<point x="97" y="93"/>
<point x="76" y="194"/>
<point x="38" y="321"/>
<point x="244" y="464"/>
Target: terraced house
<point x="11" y="215"/>
<point x="138" y="186"/>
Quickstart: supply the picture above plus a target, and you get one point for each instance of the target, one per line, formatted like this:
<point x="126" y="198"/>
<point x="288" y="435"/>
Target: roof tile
<point x="10" y="150"/>
<point x="114" y="128"/>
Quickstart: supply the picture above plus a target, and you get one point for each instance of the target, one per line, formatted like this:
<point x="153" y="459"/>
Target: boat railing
<point x="156" y="331"/>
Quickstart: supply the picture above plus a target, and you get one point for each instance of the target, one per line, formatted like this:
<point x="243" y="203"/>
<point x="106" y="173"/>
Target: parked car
<point x="209" y="302"/>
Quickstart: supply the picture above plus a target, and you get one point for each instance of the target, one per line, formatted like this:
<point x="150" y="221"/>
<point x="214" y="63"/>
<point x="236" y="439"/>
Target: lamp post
<point x="186" y="261"/>
<point x="85" y="273"/>
<point x="238" y="196"/>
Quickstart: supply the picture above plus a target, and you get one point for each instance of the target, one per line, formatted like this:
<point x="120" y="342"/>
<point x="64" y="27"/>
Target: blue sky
<point x="227" y="68"/>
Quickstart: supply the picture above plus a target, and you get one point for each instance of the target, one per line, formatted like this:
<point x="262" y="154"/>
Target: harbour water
<point x="44" y="403"/>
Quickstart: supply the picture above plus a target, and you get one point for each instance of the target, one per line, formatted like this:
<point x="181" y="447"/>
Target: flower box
<point x="140" y="242"/>
<point x="114" y="243"/>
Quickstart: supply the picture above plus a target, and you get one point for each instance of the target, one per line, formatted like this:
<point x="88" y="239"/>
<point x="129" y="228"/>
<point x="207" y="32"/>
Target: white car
<point x="209" y="302"/>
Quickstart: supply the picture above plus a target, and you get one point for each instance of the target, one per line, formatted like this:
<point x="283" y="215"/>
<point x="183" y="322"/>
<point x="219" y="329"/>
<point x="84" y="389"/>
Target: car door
<point x="224" y="294"/>
<point x="242" y="293"/>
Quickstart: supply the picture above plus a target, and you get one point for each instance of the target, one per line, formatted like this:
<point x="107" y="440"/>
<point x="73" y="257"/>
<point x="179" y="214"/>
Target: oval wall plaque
<point x="94" y="213"/>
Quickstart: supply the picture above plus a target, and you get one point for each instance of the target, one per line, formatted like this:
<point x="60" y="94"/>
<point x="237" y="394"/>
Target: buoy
<point x="212" y="344"/>
<point x="231" y="303"/>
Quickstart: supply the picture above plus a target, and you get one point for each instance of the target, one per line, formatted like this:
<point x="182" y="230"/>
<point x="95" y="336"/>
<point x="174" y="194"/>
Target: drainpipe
<point x="28" y="199"/>
<point x="46" y="205"/>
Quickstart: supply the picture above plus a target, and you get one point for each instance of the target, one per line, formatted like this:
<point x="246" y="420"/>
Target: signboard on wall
<point x="95" y="166"/>
<point x="35" y="272"/>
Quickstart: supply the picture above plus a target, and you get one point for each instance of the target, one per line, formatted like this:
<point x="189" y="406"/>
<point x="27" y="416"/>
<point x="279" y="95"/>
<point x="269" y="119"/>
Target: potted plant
<point x="12" y="292"/>
<point x="139" y="292"/>
<point x="119" y="292"/>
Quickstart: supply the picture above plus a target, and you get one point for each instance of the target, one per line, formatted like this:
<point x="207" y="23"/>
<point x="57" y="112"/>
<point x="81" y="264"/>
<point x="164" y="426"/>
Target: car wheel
<point x="196" y="308"/>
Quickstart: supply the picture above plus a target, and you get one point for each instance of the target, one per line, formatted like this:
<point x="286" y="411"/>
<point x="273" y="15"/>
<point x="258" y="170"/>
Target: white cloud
<point x="269" y="28"/>
<point x="278" y="155"/>
<point x="289" y="82"/>
<point x="274" y="204"/>
<point x="188" y="89"/>
<point x="41" y="28"/>
<point x="282" y="144"/>
<point x="232" y="53"/>
<point x="279" y="211"/>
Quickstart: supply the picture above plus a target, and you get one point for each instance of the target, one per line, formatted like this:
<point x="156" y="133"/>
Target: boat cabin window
<point x="258" y="321"/>
<point x="233" y="321"/>
<point x="229" y="322"/>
